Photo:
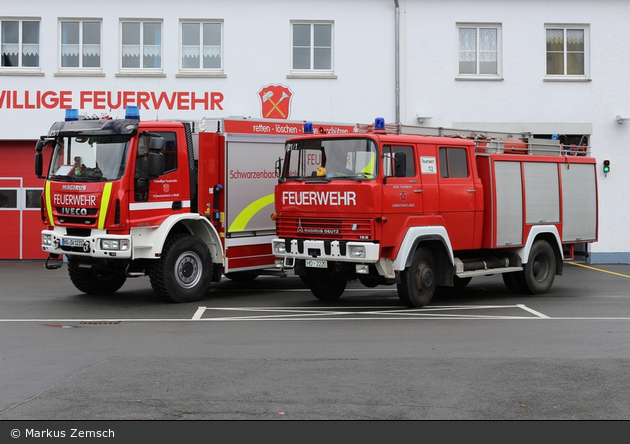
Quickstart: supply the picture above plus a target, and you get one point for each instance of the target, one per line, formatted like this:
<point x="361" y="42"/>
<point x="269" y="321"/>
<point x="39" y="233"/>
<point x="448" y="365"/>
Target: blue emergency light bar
<point x="308" y="128"/>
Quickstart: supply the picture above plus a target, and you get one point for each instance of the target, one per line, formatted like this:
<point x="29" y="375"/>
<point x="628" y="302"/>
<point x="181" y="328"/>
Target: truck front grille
<point x="320" y="228"/>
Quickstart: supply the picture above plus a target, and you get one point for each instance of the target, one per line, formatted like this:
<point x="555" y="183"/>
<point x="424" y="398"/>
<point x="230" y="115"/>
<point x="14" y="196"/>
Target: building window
<point x="32" y="198"/>
<point x="567" y="51"/>
<point x="312" y="45"/>
<point x="201" y="46"/>
<point x="8" y="198"/>
<point x="479" y="50"/>
<point x="20" y="43"/>
<point x="141" y="45"/>
<point x="80" y="44"/>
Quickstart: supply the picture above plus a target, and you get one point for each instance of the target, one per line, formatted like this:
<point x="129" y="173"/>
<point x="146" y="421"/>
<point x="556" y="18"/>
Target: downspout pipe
<point x="397" y="62"/>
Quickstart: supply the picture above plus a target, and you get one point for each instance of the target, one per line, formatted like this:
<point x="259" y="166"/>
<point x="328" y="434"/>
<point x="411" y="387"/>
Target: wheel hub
<point x="188" y="270"/>
<point x="424" y="277"/>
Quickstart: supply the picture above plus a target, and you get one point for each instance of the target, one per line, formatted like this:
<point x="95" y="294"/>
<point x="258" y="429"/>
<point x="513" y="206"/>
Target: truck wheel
<point x="461" y="282"/>
<point x="97" y="281"/>
<point x="540" y="269"/>
<point x="325" y="285"/>
<point x="184" y="272"/>
<point x="417" y="282"/>
<point x="515" y="282"/>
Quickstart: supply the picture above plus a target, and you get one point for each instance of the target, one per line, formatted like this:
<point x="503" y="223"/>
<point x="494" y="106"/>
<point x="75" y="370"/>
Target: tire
<point x="95" y="280"/>
<point x="184" y="272"/>
<point x="461" y="282"/>
<point x="418" y="281"/>
<point x="515" y="282"/>
<point x="540" y="269"/>
<point x="242" y="276"/>
<point x="325" y="285"/>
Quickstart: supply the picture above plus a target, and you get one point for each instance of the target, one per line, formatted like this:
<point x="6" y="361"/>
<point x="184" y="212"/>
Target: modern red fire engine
<point x="181" y="202"/>
<point x="392" y="206"/>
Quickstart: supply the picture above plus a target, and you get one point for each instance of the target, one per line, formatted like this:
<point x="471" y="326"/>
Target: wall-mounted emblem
<point x="275" y="101"/>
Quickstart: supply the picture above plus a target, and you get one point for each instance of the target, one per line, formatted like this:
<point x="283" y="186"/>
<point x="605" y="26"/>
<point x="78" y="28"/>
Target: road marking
<point x="599" y="269"/>
<point x="540" y="315"/>
<point x="353" y="313"/>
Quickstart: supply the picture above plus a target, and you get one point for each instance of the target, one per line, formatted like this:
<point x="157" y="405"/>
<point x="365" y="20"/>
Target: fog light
<point x="356" y="251"/>
<point x="362" y="269"/>
<point x="46" y="239"/>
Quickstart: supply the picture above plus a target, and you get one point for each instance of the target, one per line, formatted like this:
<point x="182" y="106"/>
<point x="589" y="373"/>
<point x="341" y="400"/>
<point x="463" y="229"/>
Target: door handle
<point x="417" y="191"/>
<point x="471" y="191"/>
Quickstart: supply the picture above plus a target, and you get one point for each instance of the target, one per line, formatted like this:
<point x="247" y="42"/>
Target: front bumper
<point x="98" y="244"/>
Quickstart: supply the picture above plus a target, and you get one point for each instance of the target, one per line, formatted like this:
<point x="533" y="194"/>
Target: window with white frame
<point x="479" y="53"/>
<point x="80" y="44"/>
<point x="312" y="47"/>
<point x="19" y="45"/>
<point x="567" y="50"/>
<point x="202" y="47"/>
<point x="141" y="45"/>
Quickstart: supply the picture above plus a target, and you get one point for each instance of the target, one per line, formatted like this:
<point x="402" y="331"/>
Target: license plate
<point x="72" y="242"/>
<point x="316" y="264"/>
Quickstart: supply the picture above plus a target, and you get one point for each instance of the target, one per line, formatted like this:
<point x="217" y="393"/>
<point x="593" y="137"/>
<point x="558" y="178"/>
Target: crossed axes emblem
<point x="274" y="105"/>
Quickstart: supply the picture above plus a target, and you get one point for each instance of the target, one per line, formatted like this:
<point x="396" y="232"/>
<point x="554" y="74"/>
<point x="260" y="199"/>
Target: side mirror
<point x="156" y="164"/>
<point x="400" y="164"/>
<point x="157" y="143"/>
<point x="38" y="165"/>
<point x="278" y="168"/>
<point x="39" y="147"/>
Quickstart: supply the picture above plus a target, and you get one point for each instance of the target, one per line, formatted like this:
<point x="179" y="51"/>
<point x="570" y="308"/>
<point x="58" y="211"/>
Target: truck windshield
<point x="346" y="158"/>
<point x="89" y="159"/>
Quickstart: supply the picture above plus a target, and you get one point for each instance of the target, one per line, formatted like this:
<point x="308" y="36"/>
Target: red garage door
<point x="20" y="220"/>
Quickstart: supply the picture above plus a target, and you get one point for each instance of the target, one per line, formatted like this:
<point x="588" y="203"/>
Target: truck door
<point x="402" y="190"/>
<point x="155" y="198"/>
<point x="458" y="196"/>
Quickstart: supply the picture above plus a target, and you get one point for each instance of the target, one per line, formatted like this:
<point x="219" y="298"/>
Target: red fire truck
<point x="181" y="202"/>
<point x="392" y="206"/>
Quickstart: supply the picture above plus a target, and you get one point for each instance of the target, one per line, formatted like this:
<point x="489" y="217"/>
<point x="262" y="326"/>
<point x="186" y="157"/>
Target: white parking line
<point x="354" y="313"/>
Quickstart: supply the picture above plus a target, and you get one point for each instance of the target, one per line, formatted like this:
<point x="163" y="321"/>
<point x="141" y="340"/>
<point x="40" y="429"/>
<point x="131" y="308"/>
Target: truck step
<point x="488" y="272"/>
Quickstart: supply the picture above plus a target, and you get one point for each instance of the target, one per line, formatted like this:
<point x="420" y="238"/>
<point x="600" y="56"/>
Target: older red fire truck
<point x="392" y="206"/>
<point x="181" y="202"/>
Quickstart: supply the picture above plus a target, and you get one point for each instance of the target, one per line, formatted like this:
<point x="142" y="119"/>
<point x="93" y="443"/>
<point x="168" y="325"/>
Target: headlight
<point x="115" y="244"/>
<point x="279" y="248"/>
<point x="46" y="239"/>
<point x="356" y="251"/>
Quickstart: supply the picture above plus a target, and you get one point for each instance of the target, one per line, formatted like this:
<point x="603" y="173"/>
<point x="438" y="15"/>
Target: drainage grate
<point x="99" y="322"/>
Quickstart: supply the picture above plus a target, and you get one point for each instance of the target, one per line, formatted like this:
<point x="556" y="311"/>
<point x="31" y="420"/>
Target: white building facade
<point x="553" y="67"/>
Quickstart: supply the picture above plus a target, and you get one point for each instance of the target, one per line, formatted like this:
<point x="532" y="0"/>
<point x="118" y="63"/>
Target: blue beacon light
<point x="72" y="115"/>
<point x="308" y="128"/>
<point x="379" y="124"/>
<point x="132" y="112"/>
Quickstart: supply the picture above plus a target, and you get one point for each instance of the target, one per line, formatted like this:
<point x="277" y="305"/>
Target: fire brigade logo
<point x="166" y="187"/>
<point x="403" y="196"/>
<point x="275" y="101"/>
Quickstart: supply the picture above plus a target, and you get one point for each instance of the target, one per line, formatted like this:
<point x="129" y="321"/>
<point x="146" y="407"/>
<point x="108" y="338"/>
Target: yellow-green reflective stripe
<point x="51" y="221"/>
<point x="102" y="213"/>
<point x="369" y="168"/>
<point x="250" y="210"/>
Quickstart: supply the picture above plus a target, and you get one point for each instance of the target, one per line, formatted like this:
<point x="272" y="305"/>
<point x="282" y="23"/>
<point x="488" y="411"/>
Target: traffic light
<point x="606" y="166"/>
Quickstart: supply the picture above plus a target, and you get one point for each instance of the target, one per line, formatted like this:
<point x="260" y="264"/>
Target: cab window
<point x="453" y="162"/>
